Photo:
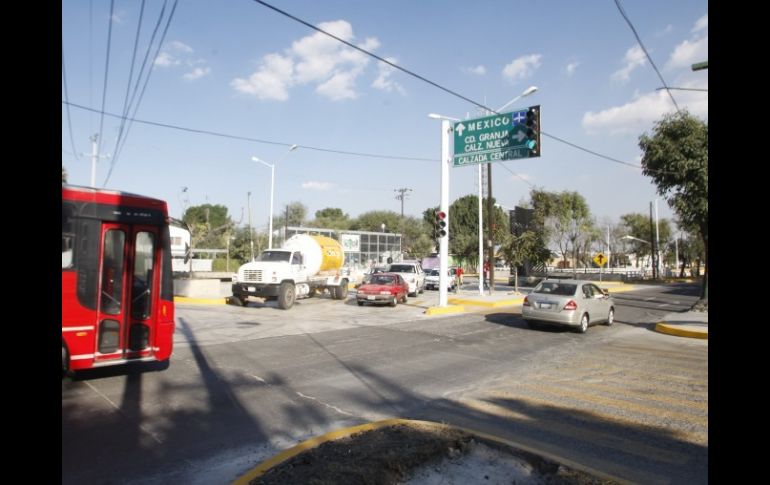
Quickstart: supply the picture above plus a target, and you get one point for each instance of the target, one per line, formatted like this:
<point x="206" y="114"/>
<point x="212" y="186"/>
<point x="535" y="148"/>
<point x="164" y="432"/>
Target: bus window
<point x="67" y="235"/>
<point x="142" y="279"/>
<point x="112" y="272"/>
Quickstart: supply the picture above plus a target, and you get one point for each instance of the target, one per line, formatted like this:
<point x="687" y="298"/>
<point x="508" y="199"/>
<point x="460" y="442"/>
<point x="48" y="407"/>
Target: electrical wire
<point x="639" y="40"/>
<point x="130" y="76"/>
<point x="106" y="73"/>
<point x="256" y="140"/>
<point x="66" y="98"/>
<point x="144" y="87"/>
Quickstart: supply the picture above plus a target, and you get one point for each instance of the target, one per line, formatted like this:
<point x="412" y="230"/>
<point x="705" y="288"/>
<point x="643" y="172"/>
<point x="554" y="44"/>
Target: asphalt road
<point x="245" y="383"/>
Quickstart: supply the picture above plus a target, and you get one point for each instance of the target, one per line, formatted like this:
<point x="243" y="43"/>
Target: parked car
<point x="432" y="276"/>
<point x="388" y="288"/>
<point x="574" y="303"/>
<point x="412" y="273"/>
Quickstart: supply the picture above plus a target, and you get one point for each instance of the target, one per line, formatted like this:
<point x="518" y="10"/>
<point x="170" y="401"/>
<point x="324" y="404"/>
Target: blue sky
<point x="242" y="69"/>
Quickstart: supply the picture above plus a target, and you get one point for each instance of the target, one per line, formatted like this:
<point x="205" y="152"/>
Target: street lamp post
<point x="652" y="246"/>
<point x="272" y="187"/>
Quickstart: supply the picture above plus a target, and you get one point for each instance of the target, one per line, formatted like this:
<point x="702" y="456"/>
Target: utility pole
<point x="402" y="194"/>
<point x="95" y="157"/>
<point x="490" y="230"/>
<point x="251" y="232"/>
<point x="654" y="248"/>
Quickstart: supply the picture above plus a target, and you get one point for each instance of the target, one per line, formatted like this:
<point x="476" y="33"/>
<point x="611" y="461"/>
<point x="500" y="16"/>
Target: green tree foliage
<point x="208" y="225"/>
<point x="638" y="225"/>
<point x="464" y="227"/>
<point x="331" y="218"/>
<point x="297" y="212"/>
<point x="675" y="156"/>
<point x="528" y="247"/>
<point x="373" y="221"/>
<point x="565" y="218"/>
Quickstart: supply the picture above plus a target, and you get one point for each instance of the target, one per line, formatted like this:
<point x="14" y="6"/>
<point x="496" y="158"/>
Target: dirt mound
<point x="400" y="453"/>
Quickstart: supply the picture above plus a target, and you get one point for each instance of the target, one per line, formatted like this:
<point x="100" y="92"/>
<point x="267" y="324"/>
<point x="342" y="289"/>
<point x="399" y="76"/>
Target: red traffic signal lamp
<point x="441" y="229"/>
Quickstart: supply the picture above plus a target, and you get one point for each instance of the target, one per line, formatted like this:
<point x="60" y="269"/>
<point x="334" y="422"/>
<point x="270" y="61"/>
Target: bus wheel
<point x="65" y="364"/>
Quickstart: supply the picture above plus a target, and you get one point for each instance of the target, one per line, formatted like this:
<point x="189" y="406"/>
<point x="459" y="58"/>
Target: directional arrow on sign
<point x="519" y="136"/>
<point x="460" y="128"/>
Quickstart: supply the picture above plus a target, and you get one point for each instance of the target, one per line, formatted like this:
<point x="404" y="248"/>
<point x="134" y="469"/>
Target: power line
<point x="141" y="70"/>
<point x="130" y="76"/>
<point x="256" y="140"/>
<point x="395" y="66"/>
<point x="66" y="98"/>
<point x="307" y="24"/>
<point x="639" y="40"/>
<point x="522" y="178"/>
<point x="144" y="87"/>
<point x="106" y="72"/>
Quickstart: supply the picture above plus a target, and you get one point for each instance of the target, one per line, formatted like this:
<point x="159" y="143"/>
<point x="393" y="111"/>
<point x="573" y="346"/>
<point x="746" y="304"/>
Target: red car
<point x="387" y="288"/>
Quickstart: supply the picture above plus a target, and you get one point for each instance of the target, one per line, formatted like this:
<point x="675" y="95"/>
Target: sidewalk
<point x="687" y="324"/>
<point x="469" y="300"/>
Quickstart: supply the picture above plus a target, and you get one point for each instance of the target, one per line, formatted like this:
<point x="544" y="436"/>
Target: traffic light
<point x="533" y="130"/>
<point x="441" y="229"/>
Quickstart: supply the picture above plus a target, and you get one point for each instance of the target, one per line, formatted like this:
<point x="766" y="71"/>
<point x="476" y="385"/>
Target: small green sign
<point x="506" y="136"/>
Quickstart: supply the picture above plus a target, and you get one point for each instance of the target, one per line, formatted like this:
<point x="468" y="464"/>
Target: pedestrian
<point x="459" y="274"/>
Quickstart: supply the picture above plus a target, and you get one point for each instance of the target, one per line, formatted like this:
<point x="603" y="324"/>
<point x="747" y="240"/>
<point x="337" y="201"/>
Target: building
<point x="361" y="248"/>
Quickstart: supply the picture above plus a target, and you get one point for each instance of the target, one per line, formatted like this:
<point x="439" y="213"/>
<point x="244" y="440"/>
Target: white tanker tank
<point x="304" y="266"/>
<point x="320" y="253"/>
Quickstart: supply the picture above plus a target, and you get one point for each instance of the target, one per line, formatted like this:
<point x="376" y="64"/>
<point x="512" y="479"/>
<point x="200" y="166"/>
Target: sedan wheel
<point x="403" y="299"/>
<point x="611" y="317"/>
<point x="393" y="301"/>
<point x="583" y="323"/>
<point x="360" y="303"/>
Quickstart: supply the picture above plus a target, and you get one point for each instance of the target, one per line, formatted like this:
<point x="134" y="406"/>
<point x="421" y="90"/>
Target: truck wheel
<point x="286" y="295"/>
<point x="235" y="300"/>
<point x="332" y="292"/>
<point x="342" y="291"/>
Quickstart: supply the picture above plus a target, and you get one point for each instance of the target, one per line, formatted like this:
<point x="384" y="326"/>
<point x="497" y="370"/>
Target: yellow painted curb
<point x="203" y="301"/>
<point x="263" y="467"/>
<point x="488" y="304"/>
<point x="681" y="332"/>
<point x="438" y="310"/>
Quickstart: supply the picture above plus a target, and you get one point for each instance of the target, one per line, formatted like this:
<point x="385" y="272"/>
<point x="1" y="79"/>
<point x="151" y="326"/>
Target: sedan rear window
<point x="555" y="288"/>
<point x="402" y="268"/>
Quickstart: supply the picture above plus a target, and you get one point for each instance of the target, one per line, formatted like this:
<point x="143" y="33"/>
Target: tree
<point x="675" y="156"/>
<point x="565" y="218"/>
<point x="297" y="213"/>
<point x="208" y="225"/>
<point x="331" y="218"/>
<point x="526" y="247"/>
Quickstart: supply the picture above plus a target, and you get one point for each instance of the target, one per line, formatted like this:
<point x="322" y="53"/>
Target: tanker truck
<point x="304" y="266"/>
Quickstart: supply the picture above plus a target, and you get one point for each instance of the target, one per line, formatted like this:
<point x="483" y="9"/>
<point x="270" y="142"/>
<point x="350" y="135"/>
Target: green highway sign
<point x="506" y="136"/>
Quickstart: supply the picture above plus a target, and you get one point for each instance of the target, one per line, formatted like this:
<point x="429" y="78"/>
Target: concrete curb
<point x="668" y="329"/>
<point x="438" y="310"/>
<point x="201" y="301"/>
<point x="487" y="304"/>
<point x="266" y="465"/>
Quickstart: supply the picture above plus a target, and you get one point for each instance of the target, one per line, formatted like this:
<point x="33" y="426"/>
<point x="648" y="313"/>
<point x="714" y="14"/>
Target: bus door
<point x="127" y="290"/>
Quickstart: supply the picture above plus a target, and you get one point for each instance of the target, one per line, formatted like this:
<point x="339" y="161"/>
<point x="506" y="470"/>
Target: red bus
<point x="117" y="295"/>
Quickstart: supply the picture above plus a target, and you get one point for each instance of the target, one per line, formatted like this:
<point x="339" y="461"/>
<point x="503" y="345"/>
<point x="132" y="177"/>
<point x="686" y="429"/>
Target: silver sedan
<point x="575" y="303"/>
